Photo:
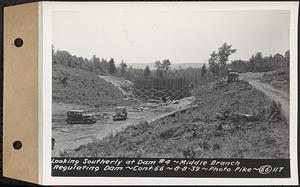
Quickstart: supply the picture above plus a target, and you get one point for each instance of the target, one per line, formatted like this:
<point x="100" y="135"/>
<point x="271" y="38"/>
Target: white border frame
<point x="45" y="88"/>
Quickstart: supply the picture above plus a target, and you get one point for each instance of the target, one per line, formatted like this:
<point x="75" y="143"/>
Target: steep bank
<point x="77" y="86"/>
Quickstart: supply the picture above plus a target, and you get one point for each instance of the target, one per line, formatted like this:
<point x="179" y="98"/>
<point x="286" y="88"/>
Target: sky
<point x="145" y="36"/>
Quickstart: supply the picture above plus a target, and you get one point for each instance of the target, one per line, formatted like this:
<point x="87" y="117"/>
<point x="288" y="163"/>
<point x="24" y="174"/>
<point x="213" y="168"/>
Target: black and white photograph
<point x="187" y="84"/>
<point x="172" y="80"/>
<point x="160" y="83"/>
<point x="150" y="92"/>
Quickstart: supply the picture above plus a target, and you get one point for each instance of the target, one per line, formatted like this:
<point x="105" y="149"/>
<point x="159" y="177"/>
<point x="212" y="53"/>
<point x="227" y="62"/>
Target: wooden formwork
<point x="156" y="89"/>
<point x="156" y="94"/>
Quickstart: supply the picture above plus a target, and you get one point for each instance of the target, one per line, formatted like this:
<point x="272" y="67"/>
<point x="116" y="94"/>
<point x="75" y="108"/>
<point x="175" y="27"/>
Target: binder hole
<point x="18" y="42"/>
<point x="17" y="145"/>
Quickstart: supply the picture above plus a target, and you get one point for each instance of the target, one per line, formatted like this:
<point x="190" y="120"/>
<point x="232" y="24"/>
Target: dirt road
<point x="72" y="136"/>
<point x="275" y="94"/>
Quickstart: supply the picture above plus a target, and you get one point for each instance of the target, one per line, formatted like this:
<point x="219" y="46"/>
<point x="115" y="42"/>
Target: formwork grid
<point x="147" y="94"/>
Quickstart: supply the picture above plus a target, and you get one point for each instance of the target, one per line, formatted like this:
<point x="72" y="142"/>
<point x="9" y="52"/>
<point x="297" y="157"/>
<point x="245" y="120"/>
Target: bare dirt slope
<point x="123" y="85"/>
<point x="77" y="86"/>
<point x="273" y="93"/>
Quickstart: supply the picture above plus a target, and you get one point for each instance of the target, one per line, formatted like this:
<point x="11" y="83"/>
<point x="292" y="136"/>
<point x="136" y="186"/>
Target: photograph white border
<point x="45" y="89"/>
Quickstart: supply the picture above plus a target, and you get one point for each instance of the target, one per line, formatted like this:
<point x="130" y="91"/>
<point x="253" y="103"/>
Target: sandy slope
<point x="118" y="82"/>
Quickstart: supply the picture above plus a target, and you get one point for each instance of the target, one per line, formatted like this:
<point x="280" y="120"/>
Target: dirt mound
<point x="202" y="133"/>
<point x="233" y="97"/>
<point x="77" y="86"/>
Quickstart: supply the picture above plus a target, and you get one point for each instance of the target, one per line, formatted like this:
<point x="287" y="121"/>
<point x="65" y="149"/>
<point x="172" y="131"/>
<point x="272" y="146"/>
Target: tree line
<point x="260" y="63"/>
<point x="218" y="61"/>
<point x="95" y="64"/>
<point x="218" y="64"/>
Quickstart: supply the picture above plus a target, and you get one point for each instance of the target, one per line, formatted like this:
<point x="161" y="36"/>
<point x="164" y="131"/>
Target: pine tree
<point x="203" y="70"/>
<point x="123" y="67"/>
<point x="147" y="71"/>
<point x="112" y="67"/>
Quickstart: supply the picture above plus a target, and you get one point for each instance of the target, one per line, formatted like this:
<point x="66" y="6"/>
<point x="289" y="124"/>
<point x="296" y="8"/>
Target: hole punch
<point x="17" y="145"/>
<point x="18" y="42"/>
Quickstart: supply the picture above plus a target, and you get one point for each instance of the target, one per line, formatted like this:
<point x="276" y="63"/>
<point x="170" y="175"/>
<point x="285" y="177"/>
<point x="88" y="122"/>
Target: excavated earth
<point x="231" y="120"/>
